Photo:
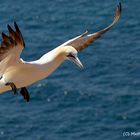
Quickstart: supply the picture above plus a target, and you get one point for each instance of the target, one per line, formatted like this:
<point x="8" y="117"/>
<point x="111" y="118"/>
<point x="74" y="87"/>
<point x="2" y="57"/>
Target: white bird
<point x="17" y="73"/>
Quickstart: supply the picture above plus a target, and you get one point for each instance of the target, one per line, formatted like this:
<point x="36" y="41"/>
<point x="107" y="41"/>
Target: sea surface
<point x="100" y="102"/>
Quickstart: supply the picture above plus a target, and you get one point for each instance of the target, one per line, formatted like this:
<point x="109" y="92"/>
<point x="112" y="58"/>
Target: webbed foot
<point x="24" y="92"/>
<point x="13" y="87"/>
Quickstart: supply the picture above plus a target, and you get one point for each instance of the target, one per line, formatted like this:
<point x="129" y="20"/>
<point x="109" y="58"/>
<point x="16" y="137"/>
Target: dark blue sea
<point x="100" y="102"/>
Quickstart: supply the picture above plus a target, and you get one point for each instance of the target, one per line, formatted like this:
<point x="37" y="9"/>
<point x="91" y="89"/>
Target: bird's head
<point x="71" y="54"/>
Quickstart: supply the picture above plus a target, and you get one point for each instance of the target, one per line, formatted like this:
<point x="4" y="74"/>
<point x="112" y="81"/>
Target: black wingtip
<point x="4" y="35"/>
<point x="16" y="26"/>
<point x="120" y="6"/>
<point x="18" y="30"/>
<point x="10" y="28"/>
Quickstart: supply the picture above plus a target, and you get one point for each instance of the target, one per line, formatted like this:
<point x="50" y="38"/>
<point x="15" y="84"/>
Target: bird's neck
<point x="55" y="56"/>
<point x="50" y="61"/>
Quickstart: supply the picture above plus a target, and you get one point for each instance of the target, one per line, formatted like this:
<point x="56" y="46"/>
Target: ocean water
<point x="100" y="102"/>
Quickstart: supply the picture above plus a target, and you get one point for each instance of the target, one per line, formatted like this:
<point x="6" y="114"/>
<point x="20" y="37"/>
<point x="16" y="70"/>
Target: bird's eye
<point x="70" y="55"/>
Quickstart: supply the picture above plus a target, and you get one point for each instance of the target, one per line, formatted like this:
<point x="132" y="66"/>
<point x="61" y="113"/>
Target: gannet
<point x="16" y="73"/>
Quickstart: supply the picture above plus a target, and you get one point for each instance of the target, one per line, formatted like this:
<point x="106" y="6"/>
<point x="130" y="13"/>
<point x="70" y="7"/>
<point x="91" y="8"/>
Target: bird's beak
<point x="76" y="60"/>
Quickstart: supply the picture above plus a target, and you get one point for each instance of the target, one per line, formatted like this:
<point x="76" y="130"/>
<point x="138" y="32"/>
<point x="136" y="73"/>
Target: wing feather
<point x="11" y="48"/>
<point x="85" y="39"/>
<point x="13" y="41"/>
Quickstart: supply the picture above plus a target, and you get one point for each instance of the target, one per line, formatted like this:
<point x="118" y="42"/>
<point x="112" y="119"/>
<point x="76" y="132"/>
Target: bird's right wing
<point x="11" y="48"/>
<point x="82" y="41"/>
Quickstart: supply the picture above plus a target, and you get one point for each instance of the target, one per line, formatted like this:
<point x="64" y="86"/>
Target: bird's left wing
<point x="11" y="47"/>
<point x="82" y="41"/>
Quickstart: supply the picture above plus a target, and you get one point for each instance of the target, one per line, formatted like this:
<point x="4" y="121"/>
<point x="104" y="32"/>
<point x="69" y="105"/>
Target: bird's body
<point x="26" y="73"/>
<point x="17" y="73"/>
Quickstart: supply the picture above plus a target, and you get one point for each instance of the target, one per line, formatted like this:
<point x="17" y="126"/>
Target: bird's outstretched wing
<point x="12" y="42"/>
<point x="11" y="47"/>
<point x="85" y="39"/>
